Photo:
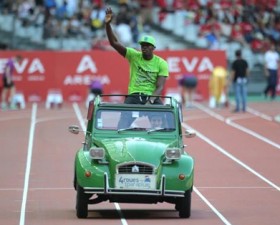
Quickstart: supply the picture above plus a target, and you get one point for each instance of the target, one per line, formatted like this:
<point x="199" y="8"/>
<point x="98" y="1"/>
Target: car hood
<point x="136" y="149"/>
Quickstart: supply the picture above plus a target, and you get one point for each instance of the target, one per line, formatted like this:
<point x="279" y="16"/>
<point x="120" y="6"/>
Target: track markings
<point x="117" y="206"/>
<point x="123" y="220"/>
<point x="259" y="114"/>
<point x="225" y="221"/>
<point x="71" y="189"/>
<point x="28" y="164"/>
<point x="223" y="151"/>
<point x="82" y="123"/>
<point x="230" y="122"/>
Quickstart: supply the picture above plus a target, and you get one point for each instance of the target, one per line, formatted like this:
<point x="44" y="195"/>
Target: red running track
<point x="237" y="168"/>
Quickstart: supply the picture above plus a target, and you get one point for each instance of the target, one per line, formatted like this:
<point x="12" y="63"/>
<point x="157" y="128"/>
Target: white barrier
<point x="54" y="98"/>
<point x="19" y="100"/>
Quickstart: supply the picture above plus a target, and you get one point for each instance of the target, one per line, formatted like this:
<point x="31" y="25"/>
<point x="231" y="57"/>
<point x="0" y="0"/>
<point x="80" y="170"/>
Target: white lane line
<point x="237" y="126"/>
<point x="123" y="220"/>
<point x="82" y="123"/>
<point x="259" y="114"/>
<point x="209" y="112"/>
<point x="237" y="187"/>
<point x="256" y="113"/>
<point x="28" y="163"/>
<point x="223" y="151"/>
<point x="248" y="131"/>
<point x="225" y="221"/>
<point x="79" y="116"/>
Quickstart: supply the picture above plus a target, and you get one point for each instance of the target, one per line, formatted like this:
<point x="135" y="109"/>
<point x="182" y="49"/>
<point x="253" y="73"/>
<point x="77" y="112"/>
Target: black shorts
<point x="140" y="98"/>
<point x="96" y="91"/>
<point x="190" y="82"/>
<point x="5" y="83"/>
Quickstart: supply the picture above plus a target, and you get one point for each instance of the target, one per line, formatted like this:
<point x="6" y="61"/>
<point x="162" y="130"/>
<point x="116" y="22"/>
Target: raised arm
<point x="110" y="34"/>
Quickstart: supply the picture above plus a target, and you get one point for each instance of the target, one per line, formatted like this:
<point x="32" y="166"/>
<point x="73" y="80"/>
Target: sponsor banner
<point x="135" y="181"/>
<point x="71" y="72"/>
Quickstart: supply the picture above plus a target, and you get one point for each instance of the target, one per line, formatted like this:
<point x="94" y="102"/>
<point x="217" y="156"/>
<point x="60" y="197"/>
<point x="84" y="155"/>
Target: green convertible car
<point x="133" y="154"/>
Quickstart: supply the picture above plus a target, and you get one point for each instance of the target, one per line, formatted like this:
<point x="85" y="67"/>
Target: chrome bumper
<point x="113" y="191"/>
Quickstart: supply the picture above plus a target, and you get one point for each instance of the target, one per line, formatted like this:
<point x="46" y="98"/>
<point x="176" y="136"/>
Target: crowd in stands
<point x="252" y="23"/>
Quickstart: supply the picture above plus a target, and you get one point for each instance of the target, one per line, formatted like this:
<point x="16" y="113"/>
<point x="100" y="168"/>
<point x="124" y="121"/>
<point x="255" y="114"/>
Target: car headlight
<point x="173" y="153"/>
<point x="96" y="153"/>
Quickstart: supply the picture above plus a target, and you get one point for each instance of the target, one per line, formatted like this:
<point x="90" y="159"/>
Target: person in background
<point x="95" y="88"/>
<point x="271" y="65"/>
<point x="239" y="77"/>
<point x="9" y="88"/>
<point x="218" y="87"/>
<point x="188" y="84"/>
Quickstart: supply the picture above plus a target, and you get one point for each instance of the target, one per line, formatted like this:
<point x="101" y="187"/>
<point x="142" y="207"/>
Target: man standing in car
<point x="148" y="72"/>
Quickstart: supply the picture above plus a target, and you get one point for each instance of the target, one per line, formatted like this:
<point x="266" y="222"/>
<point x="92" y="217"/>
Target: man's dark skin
<point x="146" y="48"/>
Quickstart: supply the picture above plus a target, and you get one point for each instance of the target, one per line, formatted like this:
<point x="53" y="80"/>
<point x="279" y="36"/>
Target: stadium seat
<point x="191" y="33"/>
<point x="168" y="22"/>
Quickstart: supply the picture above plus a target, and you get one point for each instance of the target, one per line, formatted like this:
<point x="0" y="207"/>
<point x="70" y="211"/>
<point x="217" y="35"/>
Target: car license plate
<point x="135" y="181"/>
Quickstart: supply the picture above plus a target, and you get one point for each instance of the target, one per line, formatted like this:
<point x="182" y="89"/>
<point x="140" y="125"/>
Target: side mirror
<point x="74" y="129"/>
<point x="190" y="133"/>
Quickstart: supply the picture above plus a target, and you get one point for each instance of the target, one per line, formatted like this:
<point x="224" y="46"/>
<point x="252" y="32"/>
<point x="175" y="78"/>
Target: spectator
<point x="74" y="26"/>
<point x="247" y="29"/>
<point x="237" y="35"/>
<point x="134" y="25"/>
<point x="146" y="11"/>
<point x="239" y="74"/>
<point x="25" y="11"/>
<point x="61" y="11"/>
<point x="97" y="17"/>
<point x="50" y="8"/>
<point x="123" y="29"/>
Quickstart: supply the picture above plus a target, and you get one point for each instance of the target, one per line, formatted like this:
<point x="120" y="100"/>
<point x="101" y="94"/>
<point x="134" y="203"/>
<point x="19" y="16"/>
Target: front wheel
<point x="183" y="205"/>
<point x="81" y="202"/>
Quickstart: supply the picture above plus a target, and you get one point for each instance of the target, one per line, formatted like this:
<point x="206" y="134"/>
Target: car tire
<point x="81" y="202"/>
<point x="183" y="205"/>
<point x="75" y="181"/>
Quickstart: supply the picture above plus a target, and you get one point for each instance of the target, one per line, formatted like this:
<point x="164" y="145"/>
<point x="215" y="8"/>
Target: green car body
<point x="134" y="163"/>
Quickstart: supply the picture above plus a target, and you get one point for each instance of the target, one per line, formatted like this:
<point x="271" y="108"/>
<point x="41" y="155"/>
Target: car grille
<point x="137" y="168"/>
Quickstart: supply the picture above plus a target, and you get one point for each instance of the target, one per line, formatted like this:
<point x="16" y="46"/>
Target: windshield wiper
<point x="130" y="128"/>
<point x="160" y="129"/>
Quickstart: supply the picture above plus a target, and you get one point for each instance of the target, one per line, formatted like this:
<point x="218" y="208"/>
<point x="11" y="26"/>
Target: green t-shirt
<point x="144" y="73"/>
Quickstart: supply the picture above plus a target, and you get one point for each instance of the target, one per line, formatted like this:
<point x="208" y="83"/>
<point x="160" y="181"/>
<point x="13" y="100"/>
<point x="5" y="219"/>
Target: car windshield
<point x="135" y="120"/>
